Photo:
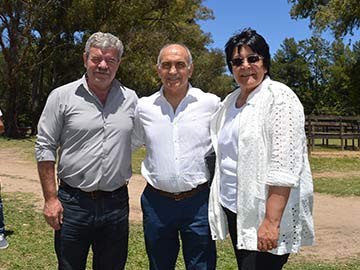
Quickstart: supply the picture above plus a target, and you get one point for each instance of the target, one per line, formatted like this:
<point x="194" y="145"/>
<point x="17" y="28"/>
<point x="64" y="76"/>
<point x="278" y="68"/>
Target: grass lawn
<point x="31" y="239"/>
<point x="31" y="243"/>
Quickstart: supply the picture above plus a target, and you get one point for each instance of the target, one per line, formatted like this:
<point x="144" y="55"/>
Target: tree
<point x="354" y="89"/>
<point x="33" y="33"/>
<point x="340" y="16"/>
<point x="335" y="67"/>
<point x="323" y="75"/>
<point x="15" y="41"/>
<point x="316" y="50"/>
<point x="42" y="43"/>
<point x="209" y="73"/>
<point x="290" y="67"/>
<point x="342" y="60"/>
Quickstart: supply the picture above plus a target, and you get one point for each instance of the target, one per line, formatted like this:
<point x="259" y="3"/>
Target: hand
<point x="268" y="235"/>
<point x="53" y="213"/>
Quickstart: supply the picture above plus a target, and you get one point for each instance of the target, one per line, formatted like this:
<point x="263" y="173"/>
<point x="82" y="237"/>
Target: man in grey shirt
<point x="88" y="124"/>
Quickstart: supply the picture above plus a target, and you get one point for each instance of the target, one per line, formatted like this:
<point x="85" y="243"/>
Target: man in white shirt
<point x="174" y="125"/>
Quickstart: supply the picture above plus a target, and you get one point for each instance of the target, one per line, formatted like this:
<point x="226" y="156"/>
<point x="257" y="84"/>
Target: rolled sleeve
<point x="49" y="129"/>
<point x="286" y="127"/>
<point x="284" y="179"/>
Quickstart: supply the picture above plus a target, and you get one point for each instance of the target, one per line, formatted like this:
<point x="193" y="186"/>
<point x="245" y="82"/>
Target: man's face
<point x="101" y="66"/>
<point x="174" y="70"/>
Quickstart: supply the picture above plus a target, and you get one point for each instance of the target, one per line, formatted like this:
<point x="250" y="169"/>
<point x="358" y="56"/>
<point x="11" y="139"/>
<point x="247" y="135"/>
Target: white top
<point x="0" y="113"/>
<point x="272" y="152"/>
<point x="176" y="142"/>
<point x="228" y="153"/>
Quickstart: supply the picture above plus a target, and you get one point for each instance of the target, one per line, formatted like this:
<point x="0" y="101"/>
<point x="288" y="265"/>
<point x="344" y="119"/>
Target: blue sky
<point x="270" y="18"/>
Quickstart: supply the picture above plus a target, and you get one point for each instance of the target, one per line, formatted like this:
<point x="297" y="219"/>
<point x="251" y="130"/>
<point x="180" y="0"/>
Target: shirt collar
<point x="190" y="92"/>
<point x="115" y="84"/>
<point x="84" y="83"/>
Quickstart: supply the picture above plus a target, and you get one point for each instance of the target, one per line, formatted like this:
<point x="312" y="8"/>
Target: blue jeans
<point x="2" y="222"/>
<point x="102" y="223"/>
<point x="165" y="218"/>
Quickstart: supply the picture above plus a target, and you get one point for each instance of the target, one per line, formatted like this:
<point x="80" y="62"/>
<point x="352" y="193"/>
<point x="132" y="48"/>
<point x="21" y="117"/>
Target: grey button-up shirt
<point x="93" y="140"/>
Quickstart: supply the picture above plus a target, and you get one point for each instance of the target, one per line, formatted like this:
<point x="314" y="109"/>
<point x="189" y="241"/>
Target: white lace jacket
<point x="272" y="152"/>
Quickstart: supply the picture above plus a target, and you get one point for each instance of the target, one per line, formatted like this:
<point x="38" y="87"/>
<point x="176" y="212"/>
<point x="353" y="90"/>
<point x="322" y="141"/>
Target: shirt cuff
<point x="285" y="179"/>
<point x="45" y="155"/>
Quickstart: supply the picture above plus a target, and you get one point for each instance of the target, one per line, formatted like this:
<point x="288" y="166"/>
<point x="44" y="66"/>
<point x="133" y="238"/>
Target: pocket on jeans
<point x="65" y="196"/>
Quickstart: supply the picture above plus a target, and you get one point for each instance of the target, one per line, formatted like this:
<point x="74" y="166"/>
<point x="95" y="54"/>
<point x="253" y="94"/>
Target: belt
<point x="180" y="195"/>
<point x="92" y="194"/>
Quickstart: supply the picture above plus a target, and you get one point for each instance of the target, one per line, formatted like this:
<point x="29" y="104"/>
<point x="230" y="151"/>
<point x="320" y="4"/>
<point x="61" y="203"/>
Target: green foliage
<point x="333" y="86"/>
<point x="354" y="88"/>
<point x="43" y="42"/>
<point x="290" y="66"/>
<point x="340" y="16"/>
<point x="323" y="75"/>
<point x="209" y="73"/>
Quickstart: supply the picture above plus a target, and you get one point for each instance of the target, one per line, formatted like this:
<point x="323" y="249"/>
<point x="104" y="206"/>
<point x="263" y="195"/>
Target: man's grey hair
<point x="171" y="44"/>
<point x="104" y="41"/>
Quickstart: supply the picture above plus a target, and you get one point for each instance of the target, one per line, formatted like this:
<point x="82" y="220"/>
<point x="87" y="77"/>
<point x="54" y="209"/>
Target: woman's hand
<point x="268" y="235"/>
<point x="268" y="232"/>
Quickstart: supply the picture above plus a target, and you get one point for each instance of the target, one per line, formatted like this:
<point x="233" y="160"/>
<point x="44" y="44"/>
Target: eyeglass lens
<point x="251" y="59"/>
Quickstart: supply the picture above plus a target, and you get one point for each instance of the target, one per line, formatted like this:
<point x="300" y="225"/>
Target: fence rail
<point x="327" y="127"/>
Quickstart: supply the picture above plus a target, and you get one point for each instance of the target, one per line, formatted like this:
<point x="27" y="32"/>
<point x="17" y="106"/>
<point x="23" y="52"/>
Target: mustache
<point x="103" y="71"/>
<point x="173" y="78"/>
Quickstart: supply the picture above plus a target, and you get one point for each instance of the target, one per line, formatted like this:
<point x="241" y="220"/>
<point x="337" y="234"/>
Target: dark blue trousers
<point x="102" y="223"/>
<point x="164" y="219"/>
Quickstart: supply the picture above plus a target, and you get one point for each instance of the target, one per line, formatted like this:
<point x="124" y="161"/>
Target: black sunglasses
<point x="251" y="59"/>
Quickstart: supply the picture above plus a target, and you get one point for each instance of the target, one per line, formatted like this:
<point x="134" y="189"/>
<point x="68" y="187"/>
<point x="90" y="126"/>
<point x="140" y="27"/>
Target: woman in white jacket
<point x="262" y="191"/>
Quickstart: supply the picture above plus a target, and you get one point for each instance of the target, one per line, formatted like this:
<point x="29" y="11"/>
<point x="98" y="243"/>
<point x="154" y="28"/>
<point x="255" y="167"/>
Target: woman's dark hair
<point x="248" y="37"/>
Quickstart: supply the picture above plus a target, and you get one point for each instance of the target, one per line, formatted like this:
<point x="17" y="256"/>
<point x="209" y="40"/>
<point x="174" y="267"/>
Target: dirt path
<point x="337" y="220"/>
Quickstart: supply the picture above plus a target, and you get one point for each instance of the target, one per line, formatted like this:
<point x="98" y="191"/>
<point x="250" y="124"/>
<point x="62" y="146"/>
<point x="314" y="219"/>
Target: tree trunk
<point x="11" y="106"/>
<point x="35" y="97"/>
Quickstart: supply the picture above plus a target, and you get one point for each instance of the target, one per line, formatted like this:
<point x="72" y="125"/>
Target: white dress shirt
<point x="176" y="142"/>
<point x="271" y="152"/>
